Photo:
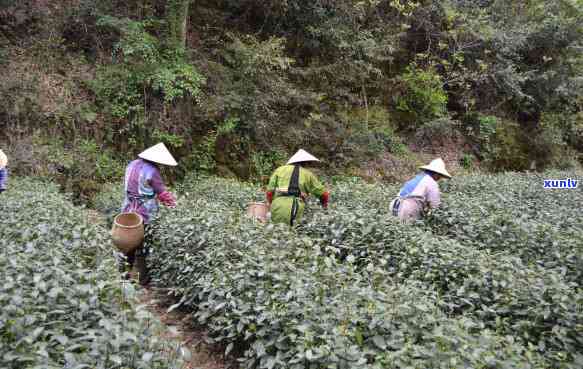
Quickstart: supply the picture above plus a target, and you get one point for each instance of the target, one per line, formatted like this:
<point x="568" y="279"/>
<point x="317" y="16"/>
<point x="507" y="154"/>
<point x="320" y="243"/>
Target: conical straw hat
<point x="159" y="154"/>
<point x="3" y="159"/>
<point x="437" y="166"/>
<point x="302" y="156"/>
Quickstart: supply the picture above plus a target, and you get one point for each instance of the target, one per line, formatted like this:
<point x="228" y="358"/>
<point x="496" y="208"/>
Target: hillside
<point x="233" y="87"/>
<point x="490" y="280"/>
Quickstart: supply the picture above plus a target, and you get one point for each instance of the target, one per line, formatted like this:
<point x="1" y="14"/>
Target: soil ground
<point x="204" y="355"/>
<point x="184" y="332"/>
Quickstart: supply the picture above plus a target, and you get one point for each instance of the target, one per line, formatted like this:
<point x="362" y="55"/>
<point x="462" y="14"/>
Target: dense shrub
<point x="128" y="73"/>
<point x="80" y="168"/>
<point x="61" y="303"/>
<point x="514" y="212"/>
<point x="109" y="200"/>
<point x="353" y="287"/>
<point x="476" y="273"/>
<point x="439" y="132"/>
<point x="423" y="97"/>
<point x="509" y="148"/>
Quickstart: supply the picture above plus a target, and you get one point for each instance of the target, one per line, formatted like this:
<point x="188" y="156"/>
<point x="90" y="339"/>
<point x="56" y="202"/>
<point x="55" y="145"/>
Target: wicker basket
<point x="127" y="232"/>
<point x="258" y="210"/>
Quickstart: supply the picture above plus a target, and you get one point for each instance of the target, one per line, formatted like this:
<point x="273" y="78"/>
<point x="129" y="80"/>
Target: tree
<point x="177" y="17"/>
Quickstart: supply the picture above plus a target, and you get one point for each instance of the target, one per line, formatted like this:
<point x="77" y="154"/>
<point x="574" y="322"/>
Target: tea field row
<point x="62" y="302"/>
<point x="491" y="280"/>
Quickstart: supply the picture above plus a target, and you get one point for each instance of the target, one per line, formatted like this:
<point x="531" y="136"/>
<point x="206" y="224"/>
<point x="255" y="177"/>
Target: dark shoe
<point x="144" y="282"/>
<point x="142" y="270"/>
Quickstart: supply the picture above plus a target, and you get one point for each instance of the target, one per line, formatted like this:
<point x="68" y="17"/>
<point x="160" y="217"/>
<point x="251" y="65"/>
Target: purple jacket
<point x="142" y="184"/>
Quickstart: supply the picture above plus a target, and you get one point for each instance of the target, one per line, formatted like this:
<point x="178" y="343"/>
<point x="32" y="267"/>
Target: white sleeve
<point x="432" y="196"/>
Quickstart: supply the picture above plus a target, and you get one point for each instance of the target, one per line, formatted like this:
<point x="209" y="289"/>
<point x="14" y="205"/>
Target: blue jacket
<point x="3" y="178"/>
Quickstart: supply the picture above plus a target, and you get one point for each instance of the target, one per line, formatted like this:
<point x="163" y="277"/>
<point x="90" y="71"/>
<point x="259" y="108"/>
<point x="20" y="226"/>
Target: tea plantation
<point x="62" y="305"/>
<point x="491" y="280"/>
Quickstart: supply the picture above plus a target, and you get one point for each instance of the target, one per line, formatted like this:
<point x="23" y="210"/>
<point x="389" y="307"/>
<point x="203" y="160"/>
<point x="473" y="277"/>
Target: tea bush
<point x="502" y="291"/>
<point x="275" y="294"/>
<point x="354" y="288"/>
<point x="229" y="193"/>
<point x="109" y="200"/>
<point x="513" y="212"/>
<point x="62" y="306"/>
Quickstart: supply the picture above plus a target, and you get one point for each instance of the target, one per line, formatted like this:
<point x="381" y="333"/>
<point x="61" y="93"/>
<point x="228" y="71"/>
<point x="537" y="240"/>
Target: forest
<point x="234" y="87"/>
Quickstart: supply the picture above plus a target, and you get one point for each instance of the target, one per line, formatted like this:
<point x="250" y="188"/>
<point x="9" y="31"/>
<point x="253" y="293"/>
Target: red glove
<point x="324" y="199"/>
<point x="269" y="196"/>
<point x="167" y="198"/>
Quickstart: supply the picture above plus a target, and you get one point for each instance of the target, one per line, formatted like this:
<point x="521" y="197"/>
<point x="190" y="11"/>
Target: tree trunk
<point x="177" y="16"/>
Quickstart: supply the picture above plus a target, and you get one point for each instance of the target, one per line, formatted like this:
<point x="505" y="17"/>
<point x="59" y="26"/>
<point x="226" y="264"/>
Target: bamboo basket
<point x="258" y="210"/>
<point x="127" y="232"/>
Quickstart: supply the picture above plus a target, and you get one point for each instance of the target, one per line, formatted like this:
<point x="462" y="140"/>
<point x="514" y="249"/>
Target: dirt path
<point x="204" y="356"/>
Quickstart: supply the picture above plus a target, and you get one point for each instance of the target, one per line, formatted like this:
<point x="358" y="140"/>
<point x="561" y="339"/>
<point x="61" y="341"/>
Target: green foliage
<point x="202" y="158"/>
<point x="176" y="80"/>
<point x="486" y="129"/>
<point x="493" y="279"/>
<point x="372" y="131"/>
<point x="258" y="99"/>
<point x="62" y="305"/>
<point x="264" y="163"/>
<point x="108" y="200"/>
<point x="290" y="69"/>
<point x="423" y="96"/>
<point x="502" y="145"/>
<point x="228" y="126"/>
<point x="509" y="150"/>
<point x="176" y="17"/>
<point x="3" y="56"/>
<point x="480" y="130"/>
<point x="571" y="125"/>
<point x="511" y="213"/>
<point x="141" y="64"/>
<point x="118" y="90"/>
<point x="467" y="161"/>
<point x="82" y="168"/>
<point x="107" y="167"/>
<point x="136" y="44"/>
<point x="168" y="138"/>
<point x="406" y="7"/>
<point x="550" y="150"/>
<point x="251" y="56"/>
<point x="256" y="83"/>
<point x="439" y="132"/>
